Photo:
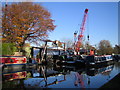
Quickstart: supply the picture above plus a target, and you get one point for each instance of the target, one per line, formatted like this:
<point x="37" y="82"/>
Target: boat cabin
<point x="92" y="59"/>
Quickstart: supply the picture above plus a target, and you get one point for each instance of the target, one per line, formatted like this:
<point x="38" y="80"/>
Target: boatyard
<point x="33" y="58"/>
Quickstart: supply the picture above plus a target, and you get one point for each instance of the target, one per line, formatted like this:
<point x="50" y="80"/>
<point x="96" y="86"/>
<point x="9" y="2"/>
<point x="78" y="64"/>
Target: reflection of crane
<point x="80" y="36"/>
<point x="79" y="80"/>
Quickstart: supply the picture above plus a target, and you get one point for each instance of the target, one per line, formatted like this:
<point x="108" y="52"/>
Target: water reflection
<point x="60" y="76"/>
<point x="102" y="70"/>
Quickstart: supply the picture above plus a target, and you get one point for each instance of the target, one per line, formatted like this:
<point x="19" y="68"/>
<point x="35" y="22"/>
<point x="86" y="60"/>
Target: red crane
<point x="82" y="29"/>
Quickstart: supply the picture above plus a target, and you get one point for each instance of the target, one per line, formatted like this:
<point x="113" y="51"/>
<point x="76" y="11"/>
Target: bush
<point x="8" y="48"/>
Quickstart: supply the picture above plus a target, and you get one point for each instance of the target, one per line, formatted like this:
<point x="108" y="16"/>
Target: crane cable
<point x="88" y="37"/>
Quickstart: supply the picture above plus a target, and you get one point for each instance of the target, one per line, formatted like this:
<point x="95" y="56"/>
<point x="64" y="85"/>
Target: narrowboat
<point x="13" y="62"/>
<point x="116" y="58"/>
<point x="95" y="60"/>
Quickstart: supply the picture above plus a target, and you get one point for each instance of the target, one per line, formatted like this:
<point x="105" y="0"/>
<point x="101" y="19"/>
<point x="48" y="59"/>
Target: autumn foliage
<point x="25" y="21"/>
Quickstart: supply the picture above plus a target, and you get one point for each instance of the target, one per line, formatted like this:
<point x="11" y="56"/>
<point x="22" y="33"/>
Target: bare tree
<point x="69" y="43"/>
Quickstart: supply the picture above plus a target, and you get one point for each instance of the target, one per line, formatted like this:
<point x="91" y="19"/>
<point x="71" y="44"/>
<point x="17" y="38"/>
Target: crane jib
<point x="82" y="28"/>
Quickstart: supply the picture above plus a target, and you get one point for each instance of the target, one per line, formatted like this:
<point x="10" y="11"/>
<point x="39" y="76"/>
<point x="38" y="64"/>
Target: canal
<point x="59" y="76"/>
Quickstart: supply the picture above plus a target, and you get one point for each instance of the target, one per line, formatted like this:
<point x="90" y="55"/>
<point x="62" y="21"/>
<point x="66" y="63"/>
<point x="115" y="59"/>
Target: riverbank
<point x="114" y="83"/>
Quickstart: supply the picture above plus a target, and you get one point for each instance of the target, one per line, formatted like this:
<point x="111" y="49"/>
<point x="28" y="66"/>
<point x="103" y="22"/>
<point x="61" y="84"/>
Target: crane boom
<point x="82" y="29"/>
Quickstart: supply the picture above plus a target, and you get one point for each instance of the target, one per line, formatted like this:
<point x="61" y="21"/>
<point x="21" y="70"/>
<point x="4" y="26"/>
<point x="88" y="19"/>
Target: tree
<point x="117" y="49"/>
<point x="69" y="43"/>
<point x="105" y="47"/>
<point x="25" y="21"/>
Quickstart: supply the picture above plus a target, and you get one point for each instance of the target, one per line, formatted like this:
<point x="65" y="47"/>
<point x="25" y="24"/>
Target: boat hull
<point x="13" y="62"/>
<point x="99" y="60"/>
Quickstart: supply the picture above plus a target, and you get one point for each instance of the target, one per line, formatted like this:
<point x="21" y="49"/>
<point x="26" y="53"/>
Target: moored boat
<point x="16" y="61"/>
<point x="95" y="60"/>
<point x="116" y="57"/>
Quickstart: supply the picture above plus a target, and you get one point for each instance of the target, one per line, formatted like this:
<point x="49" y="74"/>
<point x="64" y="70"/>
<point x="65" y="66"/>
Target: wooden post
<point x="45" y="51"/>
<point x="64" y="48"/>
<point x="32" y="49"/>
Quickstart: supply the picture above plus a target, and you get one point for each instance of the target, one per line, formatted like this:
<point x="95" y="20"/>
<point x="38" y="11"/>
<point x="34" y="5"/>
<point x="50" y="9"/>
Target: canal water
<point x="59" y="76"/>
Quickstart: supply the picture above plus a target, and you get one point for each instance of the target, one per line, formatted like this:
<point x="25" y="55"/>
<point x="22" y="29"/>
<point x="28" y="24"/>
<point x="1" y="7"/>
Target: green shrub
<point x="8" y="48"/>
